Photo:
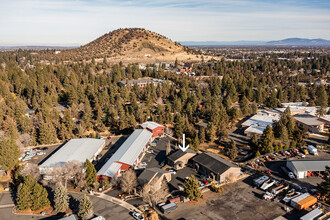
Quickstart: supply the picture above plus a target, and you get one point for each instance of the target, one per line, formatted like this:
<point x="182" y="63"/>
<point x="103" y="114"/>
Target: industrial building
<point x="302" y="168"/>
<point x="75" y="150"/>
<point x="215" y="167"/>
<point x="258" y="122"/>
<point x="309" y="122"/>
<point x="128" y="155"/>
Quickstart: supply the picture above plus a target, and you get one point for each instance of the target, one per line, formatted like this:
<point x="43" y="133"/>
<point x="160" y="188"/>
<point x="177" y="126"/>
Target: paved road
<point x="102" y="207"/>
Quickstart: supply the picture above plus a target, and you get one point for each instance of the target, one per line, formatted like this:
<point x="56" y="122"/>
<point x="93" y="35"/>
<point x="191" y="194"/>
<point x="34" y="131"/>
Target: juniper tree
<point x="24" y="193"/>
<point x="85" y="208"/>
<point x="39" y="198"/>
<point x="191" y="188"/>
<point x="90" y="173"/>
<point x="61" y="198"/>
<point x="9" y="154"/>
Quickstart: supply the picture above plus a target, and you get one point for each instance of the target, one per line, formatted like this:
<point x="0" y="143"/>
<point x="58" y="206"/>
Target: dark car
<point x="44" y="148"/>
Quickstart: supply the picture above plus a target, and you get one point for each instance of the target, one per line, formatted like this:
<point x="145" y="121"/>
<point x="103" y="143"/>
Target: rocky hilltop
<point x="130" y="45"/>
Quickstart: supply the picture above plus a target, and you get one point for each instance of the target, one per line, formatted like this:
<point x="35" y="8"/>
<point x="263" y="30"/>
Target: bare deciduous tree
<point x="128" y="181"/>
<point x="25" y="140"/>
<point x="152" y="193"/>
<point x="169" y="131"/>
<point x="31" y="169"/>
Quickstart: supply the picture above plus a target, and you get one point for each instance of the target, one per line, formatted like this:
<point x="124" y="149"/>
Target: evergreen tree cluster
<point x="32" y="195"/>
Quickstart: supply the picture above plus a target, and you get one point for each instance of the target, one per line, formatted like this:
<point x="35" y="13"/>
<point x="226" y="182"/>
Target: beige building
<point x="215" y="167"/>
<point x="179" y="159"/>
<point x="150" y="174"/>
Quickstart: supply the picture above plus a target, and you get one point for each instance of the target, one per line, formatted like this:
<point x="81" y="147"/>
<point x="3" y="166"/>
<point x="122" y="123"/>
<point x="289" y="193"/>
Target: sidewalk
<point x="117" y="201"/>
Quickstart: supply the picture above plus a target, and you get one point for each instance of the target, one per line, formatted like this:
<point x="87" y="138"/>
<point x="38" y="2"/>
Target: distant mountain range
<point x="108" y="38"/>
<point x="285" y="42"/>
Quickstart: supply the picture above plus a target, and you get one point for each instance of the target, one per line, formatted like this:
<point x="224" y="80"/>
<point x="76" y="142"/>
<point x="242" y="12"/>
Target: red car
<point x="205" y="182"/>
<point x="109" y="138"/>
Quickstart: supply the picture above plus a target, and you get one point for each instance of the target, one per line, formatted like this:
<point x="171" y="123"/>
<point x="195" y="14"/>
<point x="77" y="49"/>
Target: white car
<point x="172" y="171"/>
<point x="144" y="164"/>
<point x="291" y="175"/>
<point x="41" y="153"/>
<point x="150" y="151"/>
<point x="137" y="216"/>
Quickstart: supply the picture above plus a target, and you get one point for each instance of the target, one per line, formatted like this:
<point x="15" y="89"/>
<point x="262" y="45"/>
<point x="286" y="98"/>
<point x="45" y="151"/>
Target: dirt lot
<point x="239" y="201"/>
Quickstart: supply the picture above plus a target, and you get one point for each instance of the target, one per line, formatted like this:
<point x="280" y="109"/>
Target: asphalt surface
<point x="102" y="207"/>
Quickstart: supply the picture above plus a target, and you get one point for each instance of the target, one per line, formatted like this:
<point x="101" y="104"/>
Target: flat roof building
<point x="75" y="150"/>
<point x="309" y="122"/>
<point x="302" y="168"/>
<point x="128" y="155"/>
<point x="257" y="123"/>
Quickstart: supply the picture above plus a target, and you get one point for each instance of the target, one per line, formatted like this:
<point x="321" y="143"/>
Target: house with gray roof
<point x="215" y="167"/>
<point x="153" y="174"/>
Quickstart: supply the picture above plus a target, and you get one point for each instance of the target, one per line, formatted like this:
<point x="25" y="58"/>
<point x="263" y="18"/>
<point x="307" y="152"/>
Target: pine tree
<point x="85" y="208"/>
<point x="258" y="154"/>
<point x="254" y="142"/>
<point x="39" y="198"/>
<point x="284" y="134"/>
<point x="324" y="186"/>
<point x="195" y="143"/>
<point x="191" y="188"/>
<point x="24" y="194"/>
<point x="24" y="197"/>
<point x="201" y="135"/>
<point x="9" y="154"/>
<point x="61" y="198"/>
<point x="231" y="150"/>
<point x="90" y="173"/>
<point x="267" y="140"/>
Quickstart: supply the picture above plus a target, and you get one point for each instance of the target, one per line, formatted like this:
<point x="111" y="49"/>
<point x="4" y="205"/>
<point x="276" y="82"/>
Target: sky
<point x="77" y="22"/>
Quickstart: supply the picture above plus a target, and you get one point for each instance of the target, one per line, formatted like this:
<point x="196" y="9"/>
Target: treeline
<point x="94" y="102"/>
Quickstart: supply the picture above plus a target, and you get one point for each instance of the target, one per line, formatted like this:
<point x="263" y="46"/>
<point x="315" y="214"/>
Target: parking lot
<point x="238" y="201"/>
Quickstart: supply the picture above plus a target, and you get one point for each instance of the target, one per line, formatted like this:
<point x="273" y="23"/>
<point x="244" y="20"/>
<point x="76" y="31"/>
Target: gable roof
<point x="149" y="174"/>
<point x="213" y="162"/>
<point x="127" y="153"/>
<point x="179" y="153"/>
<point x="75" y="149"/>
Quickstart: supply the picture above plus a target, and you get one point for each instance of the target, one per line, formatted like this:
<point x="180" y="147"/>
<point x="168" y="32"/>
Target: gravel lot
<point x="239" y="201"/>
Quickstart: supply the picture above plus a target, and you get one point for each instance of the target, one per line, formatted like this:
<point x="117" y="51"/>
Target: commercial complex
<point x="75" y="150"/>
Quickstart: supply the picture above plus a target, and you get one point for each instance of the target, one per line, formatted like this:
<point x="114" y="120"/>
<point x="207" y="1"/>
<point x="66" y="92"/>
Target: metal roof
<point x="309" y="120"/>
<point x="150" y="125"/>
<point x="75" y="149"/>
<point x="310" y="165"/>
<point x="261" y="120"/>
<point x="213" y="162"/>
<point x="128" y="152"/>
<point x="70" y="217"/>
